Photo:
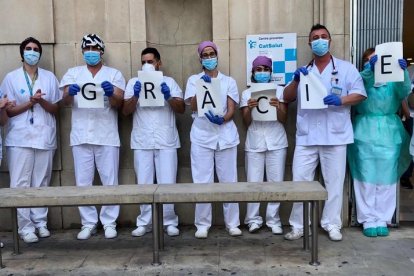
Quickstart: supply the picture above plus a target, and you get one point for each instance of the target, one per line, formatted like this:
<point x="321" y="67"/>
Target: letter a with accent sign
<point x="151" y="94"/>
<point x="209" y="97"/>
<point x="387" y="68"/>
<point x="312" y="92"/>
<point x="91" y="95"/>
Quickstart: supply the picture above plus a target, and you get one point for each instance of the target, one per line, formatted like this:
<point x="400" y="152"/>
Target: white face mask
<point x="148" y="67"/>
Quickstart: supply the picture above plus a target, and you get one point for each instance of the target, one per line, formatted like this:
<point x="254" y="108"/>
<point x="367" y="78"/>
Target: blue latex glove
<point x="137" y="88"/>
<point x="372" y="61"/>
<point x="206" y="78"/>
<point x="108" y="88"/>
<point x="296" y="75"/>
<point x="215" y="119"/>
<point x="165" y="90"/>
<point x="332" y="99"/>
<point x="74" y="89"/>
<point x="402" y="63"/>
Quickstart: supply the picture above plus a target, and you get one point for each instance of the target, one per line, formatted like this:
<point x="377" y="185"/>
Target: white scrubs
<point x="212" y="146"/>
<point x="155" y="140"/>
<point x="322" y="136"/>
<point x="31" y="146"/>
<point x="95" y="140"/>
<point x="266" y="147"/>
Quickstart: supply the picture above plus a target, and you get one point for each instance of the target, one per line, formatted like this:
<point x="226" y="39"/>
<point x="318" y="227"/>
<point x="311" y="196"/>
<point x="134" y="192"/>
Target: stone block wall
<point x="175" y="27"/>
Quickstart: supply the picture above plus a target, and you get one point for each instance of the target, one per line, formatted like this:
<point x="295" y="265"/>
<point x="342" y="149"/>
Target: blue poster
<point x="281" y="48"/>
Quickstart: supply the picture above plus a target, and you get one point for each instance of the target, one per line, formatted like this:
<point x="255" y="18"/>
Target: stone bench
<point x="306" y="192"/>
<point x="71" y="196"/>
<point x="157" y="195"/>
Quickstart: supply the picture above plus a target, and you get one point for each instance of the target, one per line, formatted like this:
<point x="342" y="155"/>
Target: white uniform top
<point x="203" y="132"/>
<point x="95" y="126"/>
<point x="21" y="133"/>
<point x="154" y="127"/>
<point x="332" y="125"/>
<point x="264" y="135"/>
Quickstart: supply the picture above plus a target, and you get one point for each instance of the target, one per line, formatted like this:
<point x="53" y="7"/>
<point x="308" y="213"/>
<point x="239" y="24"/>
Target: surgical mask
<point x="320" y="46"/>
<point x="31" y="57"/>
<point x="92" y="57"/>
<point x="367" y="65"/>
<point x="209" y="63"/>
<point x="262" y="77"/>
<point x="148" y="67"/>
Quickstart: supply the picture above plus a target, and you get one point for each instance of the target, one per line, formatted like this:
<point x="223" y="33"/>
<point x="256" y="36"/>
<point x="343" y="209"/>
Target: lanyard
<point x="30" y="86"/>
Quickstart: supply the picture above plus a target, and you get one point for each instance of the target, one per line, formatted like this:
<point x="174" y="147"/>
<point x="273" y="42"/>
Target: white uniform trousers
<point x="256" y="162"/>
<point x="161" y="163"/>
<point x="375" y="203"/>
<point x="30" y="168"/>
<point x="106" y="158"/>
<point x="203" y="161"/>
<point x="333" y="166"/>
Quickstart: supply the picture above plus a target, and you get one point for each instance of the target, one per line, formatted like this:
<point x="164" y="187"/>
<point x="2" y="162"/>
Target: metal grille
<point x="374" y="22"/>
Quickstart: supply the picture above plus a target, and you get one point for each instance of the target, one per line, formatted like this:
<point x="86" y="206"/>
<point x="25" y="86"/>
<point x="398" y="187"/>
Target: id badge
<point x="336" y="90"/>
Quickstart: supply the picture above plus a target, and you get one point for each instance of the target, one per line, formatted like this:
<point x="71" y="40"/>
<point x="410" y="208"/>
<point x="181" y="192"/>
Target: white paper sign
<point x="151" y="94"/>
<point x="208" y="97"/>
<point x="387" y="68"/>
<point x="312" y="92"/>
<point x="263" y="92"/>
<point x="91" y="95"/>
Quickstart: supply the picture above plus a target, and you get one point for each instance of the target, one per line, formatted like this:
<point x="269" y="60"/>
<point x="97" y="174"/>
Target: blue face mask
<point x="31" y="57"/>
<point x="367" y="65"/>
<point x="262" y="77"/>
<point x="320" y="47"/>
<point x="209" y="63"/>
<point x="92" y="57"/>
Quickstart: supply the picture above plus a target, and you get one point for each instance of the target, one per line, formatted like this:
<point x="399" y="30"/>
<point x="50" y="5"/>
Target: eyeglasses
<point x="32" y="48"/>
<point x="208" y="55"/>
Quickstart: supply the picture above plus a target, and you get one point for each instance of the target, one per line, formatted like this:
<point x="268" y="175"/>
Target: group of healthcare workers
<point x="29" y="101"/>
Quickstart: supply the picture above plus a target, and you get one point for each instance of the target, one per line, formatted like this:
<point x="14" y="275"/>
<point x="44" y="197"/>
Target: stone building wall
<point x="175" y="27"/>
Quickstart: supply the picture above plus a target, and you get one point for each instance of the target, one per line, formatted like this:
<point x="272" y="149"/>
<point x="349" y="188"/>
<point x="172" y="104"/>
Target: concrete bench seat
<point x="299" y="191"/>
<point x="157" y="195"/>
<point x="71" y="196"/>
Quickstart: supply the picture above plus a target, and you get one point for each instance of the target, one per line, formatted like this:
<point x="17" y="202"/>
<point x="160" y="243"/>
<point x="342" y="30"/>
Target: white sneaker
<point x="110" y="232"/>
<point x="201" y="233"/>
<point x="1" y="245"/>
<point x="172" y="231"/>
<point x="30" y="237"/>
<point x="86" y="232"/>
<point x="234" y="232"/>
<point x="253" y="227"/>
<point x="140" y="231"/>
<point x="43" y="232"/>
<point x="295" y="234"/>
<point x="277" y="230"/>
<point x="334" y="233"/>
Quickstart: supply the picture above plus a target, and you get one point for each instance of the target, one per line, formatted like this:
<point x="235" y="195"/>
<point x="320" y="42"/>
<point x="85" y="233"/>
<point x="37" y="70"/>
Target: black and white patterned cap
<point x="93" y="40"/>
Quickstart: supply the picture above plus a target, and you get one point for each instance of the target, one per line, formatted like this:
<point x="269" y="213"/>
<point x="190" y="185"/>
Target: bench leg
<point x="1" y="258"/>
<point x="161" y="226"/>
<point x="314" y="254"/>
<point x="155" y="235"/>
<point x="306" y="225"/>
<point x="15" y="229"/>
